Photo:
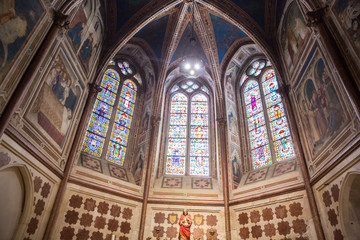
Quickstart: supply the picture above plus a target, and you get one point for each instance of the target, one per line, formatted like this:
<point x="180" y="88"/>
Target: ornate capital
<point x="61" y="20"/>
<point x="221" y="122"/>
<point x="316" y="17"/>
<point x="93" y="88"/>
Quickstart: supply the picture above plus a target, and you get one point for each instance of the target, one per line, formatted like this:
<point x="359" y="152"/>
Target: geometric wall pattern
<point x="88" y="217"/>
<point x="284" y="220"/>
<point x="330" y="202"/>
<point x="165" y="224"/>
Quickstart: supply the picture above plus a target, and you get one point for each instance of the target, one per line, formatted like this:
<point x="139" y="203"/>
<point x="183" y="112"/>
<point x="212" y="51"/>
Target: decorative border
<point x="294" y="160"/>
<point x="181" y="182"/>
<point x="127" y="178"/>
<point x="196" y="178"/>
<point x="247" y="177"/>
<point x="83" y="157"/>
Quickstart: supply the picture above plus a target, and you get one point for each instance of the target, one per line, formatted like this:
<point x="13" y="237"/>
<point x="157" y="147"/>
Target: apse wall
<point x="326" y="112"/>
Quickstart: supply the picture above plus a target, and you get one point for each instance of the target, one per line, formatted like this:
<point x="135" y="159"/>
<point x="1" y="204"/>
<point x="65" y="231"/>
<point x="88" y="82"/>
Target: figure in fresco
<point x="293" y="33"/>
<point x="185" y="223"/>
<point x="236" y="170"/>
<point x="56" y="103"/>
<point x="138" y="170"/>
<point x="320" y="107"/>
<point x="349" y="16"/>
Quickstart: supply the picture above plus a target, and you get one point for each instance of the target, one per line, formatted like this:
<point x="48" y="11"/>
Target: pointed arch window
<point x="113" y="108"/>
<point x="266" y="117"/>
<point x="188" y="130"/>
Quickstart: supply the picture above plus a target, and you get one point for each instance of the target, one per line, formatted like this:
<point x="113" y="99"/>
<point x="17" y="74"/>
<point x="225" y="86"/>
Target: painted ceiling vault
<point x="166" y="27"/>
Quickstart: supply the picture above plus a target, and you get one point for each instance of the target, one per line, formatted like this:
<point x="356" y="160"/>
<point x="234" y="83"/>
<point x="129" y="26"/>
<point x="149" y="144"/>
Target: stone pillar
<point x="317" y="21"/>
<point x="284" y="92"/>
<point x="222" y="127"/>
<point x="93" y="90"/>
<point x="154" y="123"/>
<point x="59" y="25"/>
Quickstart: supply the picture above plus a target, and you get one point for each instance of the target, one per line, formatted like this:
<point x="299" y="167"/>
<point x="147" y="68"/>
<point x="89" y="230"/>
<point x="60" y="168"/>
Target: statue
<point x="185" y="224"/>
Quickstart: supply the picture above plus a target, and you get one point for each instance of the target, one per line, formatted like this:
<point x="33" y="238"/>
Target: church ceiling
<point x="167" y="26"/>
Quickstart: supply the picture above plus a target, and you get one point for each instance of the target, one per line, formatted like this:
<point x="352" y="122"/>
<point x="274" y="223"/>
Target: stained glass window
<point x="278" y="123"/>
<point x="102" y="110"/>
<point x="199" y="135"/>
<point x="176" y="152"/>
<point x="188" y="134"/>
<point x="259" y="142"/>
<point x="117" y="117"/>
<point x="121" y="128"/>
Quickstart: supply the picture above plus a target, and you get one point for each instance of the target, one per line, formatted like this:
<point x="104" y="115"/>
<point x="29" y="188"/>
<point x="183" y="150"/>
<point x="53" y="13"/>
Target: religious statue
<point x="185" y="224"/>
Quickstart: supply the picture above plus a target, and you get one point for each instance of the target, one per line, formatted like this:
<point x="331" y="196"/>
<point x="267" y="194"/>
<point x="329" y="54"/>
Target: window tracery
<point x="113" y="108"/>
<point x="265" y="116"/>
<point x="187" y="148"/>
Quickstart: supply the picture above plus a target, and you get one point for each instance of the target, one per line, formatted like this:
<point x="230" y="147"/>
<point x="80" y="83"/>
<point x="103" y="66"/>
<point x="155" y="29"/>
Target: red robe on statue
<point x="185" y="224"/>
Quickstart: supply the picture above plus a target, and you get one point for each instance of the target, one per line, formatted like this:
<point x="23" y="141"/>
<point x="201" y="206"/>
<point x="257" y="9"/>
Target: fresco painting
<point x="294" y="34"/>
<point x="85" y="32"/>
<point x="54" y="107"/>
<point x="139" y="166"/>
<point x="348" y="13"/>
<point x="319" y="105"/>
<point x="18" y="18"/>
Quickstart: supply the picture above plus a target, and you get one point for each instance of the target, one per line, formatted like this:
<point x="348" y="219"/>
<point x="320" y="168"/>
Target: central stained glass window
<point x="112" y="108"/>
<point x="188" y="134"/>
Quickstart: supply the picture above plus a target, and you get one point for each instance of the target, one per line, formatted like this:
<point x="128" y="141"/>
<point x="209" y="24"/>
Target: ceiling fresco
<point x="184" y="47"/>
<point x="127" y="8"/>
<point x="225" y="34"/>
<point x="255" y="9"/>
<point x="154" y="34"/>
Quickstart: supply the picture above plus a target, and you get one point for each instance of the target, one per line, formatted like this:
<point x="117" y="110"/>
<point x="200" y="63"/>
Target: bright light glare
<point x="192" y="72"/>
<point x="187" y="66"/>
<point x="197" y="66"/>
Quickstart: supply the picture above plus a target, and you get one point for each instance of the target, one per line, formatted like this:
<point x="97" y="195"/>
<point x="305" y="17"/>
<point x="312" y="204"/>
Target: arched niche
<point x="349" y="207"/>
<point x="15" y="200"/>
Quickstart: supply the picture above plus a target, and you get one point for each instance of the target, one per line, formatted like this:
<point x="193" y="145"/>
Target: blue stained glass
<point x="256" y="121"/>
<point x="254" y="108"/>
<point x="276" y="111"/>
<point x="270" y="86"/>
<point x="261" y="156"/>
<point x="199" y="166"/>
<point x="199" y="119"/>
<point x="272" y="98"/>
<point x="116" y="153"/>
<point x="178" y="119"/>
<point x="120" y="135"/>
<point x="199" y="107"/>
<point x="102" y="109"/>
<point x="176" y="147"/>
<point x="123" y="119"/>
<point x="179" y="107"/>
<point x="175" y="165"/>
<point x="113" y="74"/>
<point x="128" y="94"/>
<point x="177" y="131"/>
<point x="199" y="98"/>
<point x="98" y="125"/>
<point x="250" y="85"/>
<point x="199" y="147"/>
<point x="252" y="95"/>
<point x="258" y="137"/>
<point x="284" y="149"/>
<point x="93" y="144"/>
<point x="126" y="106"/>
<point x="199" y="132"/>
<point x="130" y="84"/>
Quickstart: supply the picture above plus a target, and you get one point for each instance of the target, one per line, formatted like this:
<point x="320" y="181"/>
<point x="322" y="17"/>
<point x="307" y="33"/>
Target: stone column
<point x="317" y="21"/>
<point x="93" y="90"/>
<point x="284" y="92"/>
<point x="59" y="25"/>
<point x="154" y="123"/>
<point x="222" y="127"/>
